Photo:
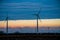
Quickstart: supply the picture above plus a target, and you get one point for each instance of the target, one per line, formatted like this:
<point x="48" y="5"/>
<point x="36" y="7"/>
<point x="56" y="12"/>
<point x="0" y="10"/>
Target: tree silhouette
<point x="1" y="32"/>
<point x="16" y="32"/>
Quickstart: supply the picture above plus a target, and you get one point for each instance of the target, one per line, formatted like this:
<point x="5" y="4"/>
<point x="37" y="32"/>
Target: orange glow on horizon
<point x="31" y="23"/>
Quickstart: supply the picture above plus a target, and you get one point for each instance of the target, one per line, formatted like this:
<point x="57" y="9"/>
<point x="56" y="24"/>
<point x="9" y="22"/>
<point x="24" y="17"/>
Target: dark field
<point x="30" y="36"/>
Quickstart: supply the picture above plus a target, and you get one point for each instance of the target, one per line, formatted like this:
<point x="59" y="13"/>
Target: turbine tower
<point x="38" y="17"/>
<point x="7" y="24"/>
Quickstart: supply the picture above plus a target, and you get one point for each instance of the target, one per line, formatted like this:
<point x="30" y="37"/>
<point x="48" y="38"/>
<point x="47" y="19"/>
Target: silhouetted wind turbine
<point x="7" y="24"/>
<point x="38" y="17"/>
<point x="6" y="18"/>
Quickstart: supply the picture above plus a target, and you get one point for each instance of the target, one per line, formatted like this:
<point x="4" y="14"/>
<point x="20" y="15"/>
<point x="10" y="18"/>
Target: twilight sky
<point x="20" y="12"/>
<point x="23" y="9"/>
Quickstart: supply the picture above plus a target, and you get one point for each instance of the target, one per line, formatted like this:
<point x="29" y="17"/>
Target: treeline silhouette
<point x="1" y="32"/>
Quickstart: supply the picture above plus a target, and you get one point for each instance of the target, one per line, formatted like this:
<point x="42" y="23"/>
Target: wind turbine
<point x="38" y="17"/>
<point x="6" y="24"/>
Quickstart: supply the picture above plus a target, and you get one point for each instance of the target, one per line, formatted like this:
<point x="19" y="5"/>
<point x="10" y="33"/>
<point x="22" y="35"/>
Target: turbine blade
<point x="39" y="10"/>
<point x="39" y="18"/>
<point x="39" y="13"/>
<point x="2" y="17"/>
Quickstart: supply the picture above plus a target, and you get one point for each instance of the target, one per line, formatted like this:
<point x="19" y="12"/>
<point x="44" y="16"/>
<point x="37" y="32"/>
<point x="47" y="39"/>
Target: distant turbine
<point x="6" y="24"/>
<point x="38" y="17"/>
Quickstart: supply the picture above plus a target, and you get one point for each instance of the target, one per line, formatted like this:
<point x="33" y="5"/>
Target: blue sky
<point x="23" y="9"/>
